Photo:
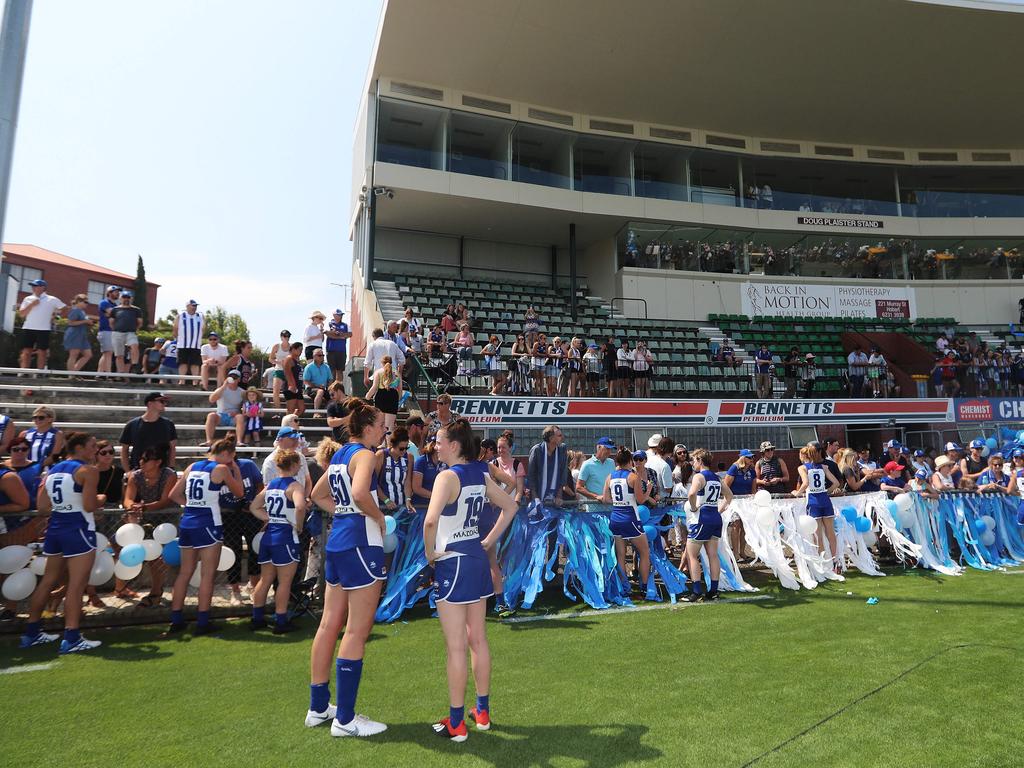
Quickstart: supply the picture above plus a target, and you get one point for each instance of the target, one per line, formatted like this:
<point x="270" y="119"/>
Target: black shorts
<point x="309" y="352"/>
<point x="386" y="400"/>
<point x="35" y="339"/>
<point x="189" y="356"/>
<point x="593" y="376"/>
<point x="640" y="374"/>
<point x="290" y="395"/>
<point x="311" y="392"/>
<point x="623" y="374"/>
<point x="336" y="360"/>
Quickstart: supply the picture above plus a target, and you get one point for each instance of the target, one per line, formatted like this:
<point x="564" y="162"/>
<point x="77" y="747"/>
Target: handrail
<point x="431" y="390"/>
<point x="611" y="304"/>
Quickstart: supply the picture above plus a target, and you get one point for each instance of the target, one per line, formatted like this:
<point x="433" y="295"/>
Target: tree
<point x="228" y="325"/>
<point x="140" y="297"/>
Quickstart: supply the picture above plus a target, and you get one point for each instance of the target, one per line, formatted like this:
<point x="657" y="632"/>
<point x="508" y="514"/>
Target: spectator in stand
<point x="808" y="374"/>
<point x="463" y="345"/>
<point x="857" y="363"/>
<point x="7" y="432"/>
<point x="772" y="472"/>
<point x="293" y="402"/>
<point x="442" y="417"/>
<point x="892" y="481"/>
<point x="611" y="368"/>
<point x="313" y="336"/>
<point x="241" y="361"/>
<point x="593" y="364"/>
<point x="37" y="310"/>
<point x="337" y="412"/>
<point x="595" y="470"/>
<point x="877" y="373"/>
<point x="449" y="320"/>
<point x="994" y="479"/>
<point x="417" y="429"/>
<point x="642" y="360"/>
<point x="380" y="348"/>
<point x="624" y="368"/>
<point x="188" y="331"/>
<point x="149" y="491"/>
<point x="763" y="372"/>
<point x="337" y="334"/>
<point x="316" y="376"/>
<point x="111" y="476"/>
<point x="126" y="319"/>
<point x="214" y="355"/>
<point x="571" y="383"/>
<point x="28" y="473"/>
<point x="288" y="439"/>
<point x="153" y="356"/>
<point x="437" y="343"/>
<point x="942" y="480"/>
<point x="791" y="370"/>
<point x="945" y="372"/>
<point x="107" y="303"/>
<point x="941" y="343"/>
<point x="386" y="392"/>
<point x="727" y="353"/>
<point x="239" y="523"/>
<point x="228" y="399"/>
<point x="973" y="464"/>
<point x="547" y="470"/>
<point x="538" y="364"/>
<point x="14" y="497"/>
<point x="850" y="474"/>
<point x="278" y="354"/>
<point x="410" y="320"/>
<point x="553" y="370"/>
<point x="45" y="441"/>
<point x="659" y="457"/>
<point x="150" y="430"/>
<point x="392" y="333"/>
<point x="76" y="336"/>
<point x="531" y="326"/>
<point x="168" y="360"/>
<point x="253" y="413"/>
<point x="492" y="363"/>
<point x="870" y="471"/>
<point x="512" y="467"/>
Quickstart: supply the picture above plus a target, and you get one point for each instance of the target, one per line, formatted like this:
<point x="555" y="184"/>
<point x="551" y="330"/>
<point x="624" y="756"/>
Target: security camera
<point x="363" y="189"/>
<point x="390" y="194"/>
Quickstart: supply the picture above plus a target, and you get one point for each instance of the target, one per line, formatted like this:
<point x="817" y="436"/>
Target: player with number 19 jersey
<point x="355" y="547"/>
<point x="462" y="572"/>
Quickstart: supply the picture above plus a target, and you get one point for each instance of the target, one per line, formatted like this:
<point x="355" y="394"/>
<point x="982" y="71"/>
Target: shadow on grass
<point x="543" y="622"/>
<point x="591" y="746"/>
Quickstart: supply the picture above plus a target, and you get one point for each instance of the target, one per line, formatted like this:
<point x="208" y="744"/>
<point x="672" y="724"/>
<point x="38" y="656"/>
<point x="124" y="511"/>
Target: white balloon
<point x="808" y="525"/>
<point x="989" y="521"/>
<point x="102" y="569"/>
<point x="38" y="565"/>
<point x="390" y="543"/>
<point x="988" y="538"/>
<point x="763" y="498"/>
<point x="870" y="539"/>
<point x="197" y="575"/>
<point x="102" y="542"/>
<point x="19" y="585"/>
<point x="127" y="572"/>
<point x="765" y="517"/>
<point x="904" y="501"/>
<point x="164" y="533"/>
<point x="227" y="558"/>
<point x="985" y="451"/>
<point x="153" y="549"/>
<point x="130" y="533"/>
<point x="14" y="558"/>
<point x="256" y="541"/>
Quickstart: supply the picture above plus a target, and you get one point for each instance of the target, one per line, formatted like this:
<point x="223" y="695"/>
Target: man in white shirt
<point x="658" y="447"/>
<point x="380" y="348"/>
<point x="37" y="310"/>
<point x="214" y="355"/>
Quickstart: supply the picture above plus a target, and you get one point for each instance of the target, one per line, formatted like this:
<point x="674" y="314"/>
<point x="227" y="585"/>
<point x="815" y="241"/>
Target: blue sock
<point x="34" y="629"/>
<point x="177" y="618"/>
<point x="455" y="716"/>
<point x="698" y="587"/>
<point x="714" y="585"/>
<point x="72" y="636"/>
<point x="319" y="696"/>
<point x="280" y="619"/>
<point x="258" y="614"/>
<point x="203" y="619"/>
<point x="347" y="673"/>
<point x="483" y="703"/>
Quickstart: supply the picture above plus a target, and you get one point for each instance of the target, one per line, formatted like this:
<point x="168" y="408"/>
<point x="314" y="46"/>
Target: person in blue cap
<point x="740" y="479"/>
<point x="921" y="484"/>
<point x="973" y="464"/>
<point x="336" y="345"/>
<point x="954" y="453"/>
<point x="595" y="470"/>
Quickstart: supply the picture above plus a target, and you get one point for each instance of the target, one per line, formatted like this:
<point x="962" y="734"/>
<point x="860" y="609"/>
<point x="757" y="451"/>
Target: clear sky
<point x="214" y="137"/>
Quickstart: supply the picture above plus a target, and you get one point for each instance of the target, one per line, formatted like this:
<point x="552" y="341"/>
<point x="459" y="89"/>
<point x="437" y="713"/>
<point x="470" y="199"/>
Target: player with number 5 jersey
<point x="462" y="574"/>
<point x="69" y="496"/>
<point x="354" y="571"/>
<point x="200" y="533"/>
<point x="708" y="497"/>
<point x="815" y="480"/>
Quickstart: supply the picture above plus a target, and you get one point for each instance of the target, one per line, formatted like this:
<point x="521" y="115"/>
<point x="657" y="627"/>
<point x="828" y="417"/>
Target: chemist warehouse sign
<point x="990" y="409"/>
<point x="511" y="412"/>
<point x="827" y="301"/>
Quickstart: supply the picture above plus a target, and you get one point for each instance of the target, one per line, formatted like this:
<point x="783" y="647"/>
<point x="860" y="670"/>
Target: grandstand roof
<point x="899" y="73"/>
<point x="52" y="257"/>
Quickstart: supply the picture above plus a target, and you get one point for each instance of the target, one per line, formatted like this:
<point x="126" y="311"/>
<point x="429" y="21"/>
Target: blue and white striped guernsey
<point x="190" y="330"/>
<point x="392" y="478"/>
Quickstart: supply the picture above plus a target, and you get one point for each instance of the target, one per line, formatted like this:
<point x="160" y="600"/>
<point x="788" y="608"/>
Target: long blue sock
<point x="34" y="629"/>
<point x="483" y="703"/>
<point x="203" y="619"/>
<point x="281" y="619"/>
<point x="455" y="716"/>
<point x="319" y="696"/>
<point x="347" y="673"/>
<point x="72" y="635"/>
<point x="714" y="585"/>
<point x="698" y="586"/>
<point x="177" y="617"/>
<point x="259" y="614"/>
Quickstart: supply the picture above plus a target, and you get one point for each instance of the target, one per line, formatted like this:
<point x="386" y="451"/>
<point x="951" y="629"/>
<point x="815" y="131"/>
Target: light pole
<point x="13" y="44"/>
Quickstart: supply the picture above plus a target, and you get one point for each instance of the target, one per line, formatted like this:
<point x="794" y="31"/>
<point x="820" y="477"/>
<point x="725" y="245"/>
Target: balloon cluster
<point x="985" y="529"/>
<point x="860" y="523"/>
<point x="21" y="581"/>
<point x="765" y="516"/>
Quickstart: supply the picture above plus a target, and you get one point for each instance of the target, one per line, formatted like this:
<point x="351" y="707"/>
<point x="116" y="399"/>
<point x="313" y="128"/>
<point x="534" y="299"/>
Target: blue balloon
<point x="891" y="506"/>
<point x="991" y="443"/>
<point x="863" y="525"/>
<point x="644" y="512"/>
<point x="1020" y="436"/>
<point x="133" y="554"/>
<point x="652" y="532"/>
<point x="172" y="552"/>
<point x="978" y="526"/>
<point x="849" y="514"/>
<point x="389" y="524"/>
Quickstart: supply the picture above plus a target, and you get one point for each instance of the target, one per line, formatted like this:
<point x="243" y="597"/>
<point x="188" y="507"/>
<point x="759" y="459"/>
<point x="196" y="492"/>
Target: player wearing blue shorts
<point x="69" y="496"/>
<point x="282" y="506"/>
<point x="201" y="531"/>
<point x="815" y="480"/>
<point x="354" y="570"/>
<point x="624" y="490"/>
<point x="462" y="578"/>
<point x="704" y="524"/>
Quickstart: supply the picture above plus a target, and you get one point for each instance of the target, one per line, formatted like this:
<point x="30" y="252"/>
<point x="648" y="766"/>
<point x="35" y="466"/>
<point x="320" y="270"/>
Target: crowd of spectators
<point x="966" y="366"/>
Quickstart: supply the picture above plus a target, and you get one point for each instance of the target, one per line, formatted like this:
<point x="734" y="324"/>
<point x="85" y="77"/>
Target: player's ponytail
<point x="623" y="457"/>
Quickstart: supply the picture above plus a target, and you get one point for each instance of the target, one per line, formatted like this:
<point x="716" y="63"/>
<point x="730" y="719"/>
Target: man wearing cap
<point x="228" y="399"/>
<point x="315" y="377"/>
<point x="973" y="464"/>
<point x="107" y="303"/>
<point x="150" y="430"/>
<point x="892" y="481"/>
<point x="287" y="440"/>
<point x="809" y="374"/>
<point x="417" y="429"/>
<point x="125" y="321"/>
<point x="659" y="454"/>
<point x="337" y="343"/>
<point x="953" y="452"/>
<point x="894" y="451"/>
<point x="772" y="472"/>
<point x="37" y="309"/>
<point x="595" y="470"/>
<point x="791" y="372"/>
<point x="214" y="355"/>
<point x="188" y="331"/>
<point x="919" y="462"/>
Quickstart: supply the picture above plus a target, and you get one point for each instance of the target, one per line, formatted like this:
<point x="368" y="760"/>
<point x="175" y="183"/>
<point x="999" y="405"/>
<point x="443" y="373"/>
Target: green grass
<point x="930" y="676"/>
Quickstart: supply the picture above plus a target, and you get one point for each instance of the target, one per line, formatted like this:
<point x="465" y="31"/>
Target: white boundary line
<point x="27" y="668"/>
<point x="629" y="609"/>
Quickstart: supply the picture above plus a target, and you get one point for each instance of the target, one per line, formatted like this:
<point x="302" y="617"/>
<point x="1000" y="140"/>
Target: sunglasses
<point x="106" y="452"/>
<point x="41" y="418"/>
<point x="20" y="449"/>
<point x="403" y="448"/>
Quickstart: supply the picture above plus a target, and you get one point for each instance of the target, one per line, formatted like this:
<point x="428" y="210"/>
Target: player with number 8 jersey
<point x="815" y="480"/>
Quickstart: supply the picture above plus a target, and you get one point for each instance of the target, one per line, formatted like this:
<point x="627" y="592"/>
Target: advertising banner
<point x="572" y="412"/>
<point x="827" y="301"/>
<point x="978" y="409"/>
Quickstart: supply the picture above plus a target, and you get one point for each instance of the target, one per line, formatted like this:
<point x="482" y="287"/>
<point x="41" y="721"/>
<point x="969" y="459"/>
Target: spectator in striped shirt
<point x="188" y="330"/>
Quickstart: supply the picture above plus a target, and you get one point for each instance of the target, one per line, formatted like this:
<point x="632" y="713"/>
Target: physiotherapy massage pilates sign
<point x="571" y="412"/>
<point x="827" y="301"/>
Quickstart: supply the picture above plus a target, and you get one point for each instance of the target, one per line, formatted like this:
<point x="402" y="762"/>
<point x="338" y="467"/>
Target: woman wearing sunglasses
<point x="44" y="440"/>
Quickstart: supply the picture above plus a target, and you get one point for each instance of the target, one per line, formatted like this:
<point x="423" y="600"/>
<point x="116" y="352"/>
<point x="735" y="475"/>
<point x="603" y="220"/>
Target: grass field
<point x="930" y="676"/>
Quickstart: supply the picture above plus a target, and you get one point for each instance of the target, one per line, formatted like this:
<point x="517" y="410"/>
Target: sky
<point x="212" y="137"/>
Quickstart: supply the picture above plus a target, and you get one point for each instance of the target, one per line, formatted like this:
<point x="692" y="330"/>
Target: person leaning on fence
<point x="147" y="498"/>
<point x="772" y="472"/>
<point x="547" y="469"/>
<point x="596" y="470"/>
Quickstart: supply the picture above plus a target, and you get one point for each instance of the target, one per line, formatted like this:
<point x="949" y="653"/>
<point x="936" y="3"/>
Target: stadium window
<point x="95" y="291"/>
<point x="714" y="178"/>
<point x="660" y="171"/>
<point x="411" y="134"/>
<point x="963" y="192"/>
<point x="602" y="165"/>
<point x="541" y="156"/>
<point x="25" y="275"/>
<point x="479" y="145"/>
